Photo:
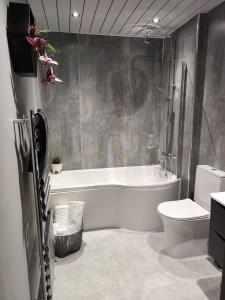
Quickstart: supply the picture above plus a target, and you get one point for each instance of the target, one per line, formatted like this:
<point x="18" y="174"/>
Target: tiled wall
<point x="107" y="109"/>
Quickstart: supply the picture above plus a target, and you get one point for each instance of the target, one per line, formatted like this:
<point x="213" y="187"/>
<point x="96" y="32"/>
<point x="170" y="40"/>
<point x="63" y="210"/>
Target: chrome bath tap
<point x="167" y="158"/>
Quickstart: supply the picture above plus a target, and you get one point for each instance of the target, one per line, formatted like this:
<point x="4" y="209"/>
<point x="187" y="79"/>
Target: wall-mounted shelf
<point x="23" y="56"/>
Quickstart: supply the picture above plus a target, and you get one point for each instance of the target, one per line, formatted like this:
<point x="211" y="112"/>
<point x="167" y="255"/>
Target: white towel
<point x="68" y="218"/>
<point x="60" y="230"/>
<point x="61" y="214"/>
<point x="75" y="216"/>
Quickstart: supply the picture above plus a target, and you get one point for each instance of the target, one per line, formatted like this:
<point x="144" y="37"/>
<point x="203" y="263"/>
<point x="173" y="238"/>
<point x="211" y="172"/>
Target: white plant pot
<point x="56" y="168"/>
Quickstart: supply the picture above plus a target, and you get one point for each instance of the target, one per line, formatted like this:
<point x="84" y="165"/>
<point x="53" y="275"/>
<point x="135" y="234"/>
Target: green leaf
<point x="57" y="50"/>
<point x="56" y="160"/>
<point x="50" y="48"/>
<point x="45" y="31"/>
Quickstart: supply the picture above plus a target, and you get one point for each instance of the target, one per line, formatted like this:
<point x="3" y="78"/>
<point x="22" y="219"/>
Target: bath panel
<point x="125" y="197"/>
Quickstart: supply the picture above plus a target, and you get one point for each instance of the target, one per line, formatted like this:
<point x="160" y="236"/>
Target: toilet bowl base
<point x="185" y="238"/>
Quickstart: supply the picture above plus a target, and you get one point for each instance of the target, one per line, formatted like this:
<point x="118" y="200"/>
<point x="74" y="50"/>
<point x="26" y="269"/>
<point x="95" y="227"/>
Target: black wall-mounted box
<point x="23" y="56"/>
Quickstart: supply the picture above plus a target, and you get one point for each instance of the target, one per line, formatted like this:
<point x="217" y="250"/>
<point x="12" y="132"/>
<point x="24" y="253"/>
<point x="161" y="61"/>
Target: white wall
<point x="13" y="266"/>
<point x="28" y="93"/>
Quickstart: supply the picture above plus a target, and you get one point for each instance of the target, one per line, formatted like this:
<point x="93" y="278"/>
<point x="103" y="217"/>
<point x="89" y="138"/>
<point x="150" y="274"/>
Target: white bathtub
<point x="125" y="197"/>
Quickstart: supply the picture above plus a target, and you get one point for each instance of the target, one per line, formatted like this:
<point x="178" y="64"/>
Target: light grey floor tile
<point x="122" y="265"/>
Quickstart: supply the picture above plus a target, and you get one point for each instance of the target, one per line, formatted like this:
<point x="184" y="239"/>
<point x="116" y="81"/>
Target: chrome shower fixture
<point x="147" y="39"/>
<point x="152" y="30"/>
<point x="173" y="85"/>
<point x="169" y="156"/>
<point x="151" y="27"/>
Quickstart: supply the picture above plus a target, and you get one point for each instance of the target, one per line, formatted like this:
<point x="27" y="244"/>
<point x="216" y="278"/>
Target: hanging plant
<point x="37" y="39"/>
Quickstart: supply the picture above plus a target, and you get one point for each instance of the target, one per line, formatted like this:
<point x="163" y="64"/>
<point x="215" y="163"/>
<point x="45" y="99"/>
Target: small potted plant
<point x="56" y="165"/>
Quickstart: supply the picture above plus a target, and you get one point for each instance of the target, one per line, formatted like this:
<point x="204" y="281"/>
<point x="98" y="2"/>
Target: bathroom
<point x="134" y="116"/>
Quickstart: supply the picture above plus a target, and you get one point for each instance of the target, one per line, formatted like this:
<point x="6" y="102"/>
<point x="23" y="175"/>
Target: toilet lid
<point x="182" y="210"/>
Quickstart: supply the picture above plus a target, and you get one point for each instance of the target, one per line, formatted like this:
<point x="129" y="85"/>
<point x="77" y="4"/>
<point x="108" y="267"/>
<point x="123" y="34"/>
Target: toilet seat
<point x="183" y="210"/>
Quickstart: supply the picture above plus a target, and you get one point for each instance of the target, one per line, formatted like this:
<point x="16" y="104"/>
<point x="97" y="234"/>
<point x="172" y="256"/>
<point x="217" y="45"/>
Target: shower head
<point x="153" y="31"/>
<point x="149" y="27"/>
<point x="149" y="30"/>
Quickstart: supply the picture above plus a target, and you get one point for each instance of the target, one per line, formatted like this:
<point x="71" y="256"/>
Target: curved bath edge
<point x="120" y="206"/>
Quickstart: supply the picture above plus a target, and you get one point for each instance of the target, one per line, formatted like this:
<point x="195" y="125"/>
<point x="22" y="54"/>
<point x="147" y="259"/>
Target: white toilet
<point x="186" y="223"/>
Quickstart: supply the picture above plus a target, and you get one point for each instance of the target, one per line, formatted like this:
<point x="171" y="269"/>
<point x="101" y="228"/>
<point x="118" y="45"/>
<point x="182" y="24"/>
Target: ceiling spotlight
<point x="155" y="20"/>
<point x="75" y="14"/>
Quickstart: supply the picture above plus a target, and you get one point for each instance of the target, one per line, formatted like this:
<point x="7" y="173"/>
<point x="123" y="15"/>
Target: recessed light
<point x="155" y="20"/>
<point x="75" y="14"/>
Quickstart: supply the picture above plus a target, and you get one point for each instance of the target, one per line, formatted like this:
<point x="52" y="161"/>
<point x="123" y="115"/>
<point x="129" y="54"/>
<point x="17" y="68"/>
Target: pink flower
<point x="33" y="31"/>
<point x="50" y="77"/>
<point x="41" y="50"/>
<point x="36" y="41"/>
<point x="47" y="60"/>
<point x="35" y="38"/>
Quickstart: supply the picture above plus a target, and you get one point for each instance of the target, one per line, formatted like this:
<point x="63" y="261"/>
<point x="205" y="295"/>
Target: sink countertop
<point x="219" y="197"/>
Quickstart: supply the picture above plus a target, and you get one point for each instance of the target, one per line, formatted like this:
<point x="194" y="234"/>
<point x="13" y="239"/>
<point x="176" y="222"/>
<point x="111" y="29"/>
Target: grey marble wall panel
<point x="184" y="41"/>
<point x="62" y="104"/>
<point x="108" y="106"/>
<point x="212" y="147"/>
<point x="201" y="37"/>
<point x="202" y="48"/>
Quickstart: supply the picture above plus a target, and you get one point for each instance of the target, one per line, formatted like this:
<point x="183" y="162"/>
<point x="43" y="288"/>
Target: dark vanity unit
<point x="217" y="234"/>
<point x="217" y="228"/>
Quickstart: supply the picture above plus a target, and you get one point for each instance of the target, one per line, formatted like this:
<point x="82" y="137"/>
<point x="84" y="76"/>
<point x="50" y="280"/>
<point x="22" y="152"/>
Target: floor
<point x="123" y="265"/>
